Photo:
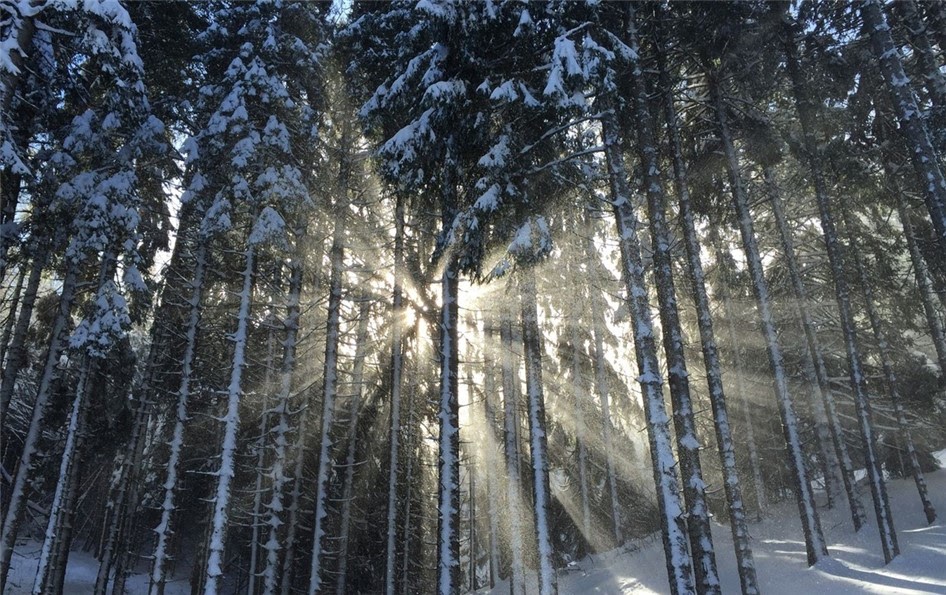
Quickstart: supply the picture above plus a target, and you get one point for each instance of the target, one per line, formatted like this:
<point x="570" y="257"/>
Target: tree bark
<point x="890" y="376"/>
<point x="329" y="394"/>
<point x="18" y="489"/>
<point x="669" y="502"/>
<point x="815" y="545"/>
<point x="714" y="378"/>
<point x="221" y="502"/>
<point x="915" y="133"/>
<point x="538" y="442"/>
<point x="821" y="386"/>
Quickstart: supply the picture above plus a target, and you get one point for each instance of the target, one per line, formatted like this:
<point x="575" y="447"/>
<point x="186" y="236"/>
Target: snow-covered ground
<point x="856" y="564"/>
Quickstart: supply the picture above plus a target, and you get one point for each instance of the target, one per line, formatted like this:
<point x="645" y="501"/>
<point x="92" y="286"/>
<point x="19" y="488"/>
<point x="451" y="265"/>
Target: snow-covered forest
<point x="429" y="296"/>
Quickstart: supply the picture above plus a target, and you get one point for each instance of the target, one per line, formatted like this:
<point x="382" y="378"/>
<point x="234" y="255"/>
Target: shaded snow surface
<point x="856" y="564"/>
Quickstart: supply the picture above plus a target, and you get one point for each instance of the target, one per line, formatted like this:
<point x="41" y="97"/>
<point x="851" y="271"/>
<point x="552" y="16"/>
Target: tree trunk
<point x="221" y="502"/>
<point x="714" y="377"/>
<point x="811" y="524"/>
<point x="754" y="462"/>
<point x="12" y="304"/>
<point x="260" y="449"/>
<point x="274" y="507"/>
<point x="669" y="503"/>
<point x="16" y="354"/>
<point x="925" y="160"/>
<point x="579" y="393"/>
<point x="448" y="463"/>
<point x="52" y="563"/>
<point x="603" y="389"/>
<point x="532" y="350"/>
<point x="510" y="377"/>
<point x="688" y="444"/>
<point x="889" y="375"/>
<point x="821" y="386"/>
<point x="18" y="489"/>
<point x="357" y="378"/>
<point x="165" y="528"/>
<point x="329" y="394"/>
<point x="927" y="295"/>
<point x="915" y="131"/>
<point x="397" y="370"/>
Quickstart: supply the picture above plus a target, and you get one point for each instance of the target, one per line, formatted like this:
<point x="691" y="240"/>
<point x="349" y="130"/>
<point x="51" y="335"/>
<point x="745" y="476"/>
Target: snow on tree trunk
<point x="13" y="306"/>
<point x="811" y="524"/>
<point x="925" y="160"/>
<point x="538" y="442"/>
<point x="669" y="503"/>
<point x="927" y="294"/>
<point x="274" y="508"/>
<point x="289" y="559"/>
<point x="706" y="575"/>
<point x="836" y="258"/>
<point x="890" y="376"/>
<point x="510" y="378"/>
<point x="18" y="489"/>
<point x="357" y="377"/>
<point x="755" y="463"/>
<point x="821" y="386"/>
<point x="580" y="395"/>
<point x="603" y="389"/>
<point x="927" y="61"/>
<point x="714" y="377"/>
<point x="448" y="500"/>
<point x="47" y="566"/>
<point x="16" y="354"/>
<point x="260" y="450"/>
<point x="397" y="370"/>
<point x="231" y="420"/>
<point x="165" y="529"/>
<point x="329" y="394"/>
<point x="492" y="461"/>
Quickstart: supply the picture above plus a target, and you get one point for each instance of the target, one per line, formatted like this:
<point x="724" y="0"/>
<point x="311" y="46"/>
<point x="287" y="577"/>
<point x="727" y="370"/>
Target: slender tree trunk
<point x="491" y="462"/>
<point x="221" y="502"/>
<point x="889" y="375"/>
<point x="16" y="354"/>
<point x="408" y="482"/>
<point x="165" y="528"/>
<point x="289" y="559"/>
<point x="915" y="131"/>
<point x="260" y="449"/>
<point x="329" y="394"/>
<point x="448" y="464"/>
<point x="754" y="461"/>
<point x="532" y="348"/>
<point x="821" y="386"/>
<point x="669" y="503"/>
<point x="580" y="395"/>
<point x="927" y="62"/>
<point x="927" y="294"/>
<point x="603" y="388"/>
<point x="811" y="524"/>
<point x="357" y="377"/>
<point x="274" y="507"/>
<point x="51" y="565"/>
<point x="916" y="135"/>
<point x="714" y="377"/>
<point x="18" y="489"/>
<point x="397" y="370"/>
<point x="510" y="377"/>
<point x="688" y="444"/>
<point x="13" y="305"/>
